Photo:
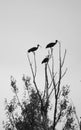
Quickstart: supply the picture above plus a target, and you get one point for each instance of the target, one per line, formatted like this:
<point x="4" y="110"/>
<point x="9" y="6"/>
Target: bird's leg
<point x="35" y="63"/>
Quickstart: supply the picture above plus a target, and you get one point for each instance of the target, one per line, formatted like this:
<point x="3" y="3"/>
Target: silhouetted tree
<point x="35" y="109"/>
<point x="61" y="102"/>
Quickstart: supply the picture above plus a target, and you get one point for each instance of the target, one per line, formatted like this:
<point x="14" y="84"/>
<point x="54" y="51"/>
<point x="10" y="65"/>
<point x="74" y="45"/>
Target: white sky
<point x="26" y="23"/>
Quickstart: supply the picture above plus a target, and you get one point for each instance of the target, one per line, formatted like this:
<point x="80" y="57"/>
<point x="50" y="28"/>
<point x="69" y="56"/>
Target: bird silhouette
<point x="33" y="49"/>
<point x="45" y="60"/>
<point x="52" y="44"/>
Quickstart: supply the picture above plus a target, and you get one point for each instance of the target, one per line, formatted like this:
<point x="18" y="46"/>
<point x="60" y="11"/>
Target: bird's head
<point x="56" y="41"/>
<point x="38" y="45"/>
<point x="48" y="56"/>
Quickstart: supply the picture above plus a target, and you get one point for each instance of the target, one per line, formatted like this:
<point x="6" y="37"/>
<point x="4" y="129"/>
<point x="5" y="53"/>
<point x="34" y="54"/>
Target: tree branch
<point x="59" y="116"/>
<point x="63" y="58"/>
<point x="58" y="81"/>
<point x="30" y="66"/>
<point x="60" y="70"/>
<point x="34" y="78"/>
<point x="35" y="64"/>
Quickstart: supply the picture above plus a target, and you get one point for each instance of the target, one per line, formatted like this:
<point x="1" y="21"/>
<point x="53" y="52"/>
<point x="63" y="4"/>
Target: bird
<point x="50" y="45"/>
<point x="33" y="49"/>
<point x="46" y="59"/>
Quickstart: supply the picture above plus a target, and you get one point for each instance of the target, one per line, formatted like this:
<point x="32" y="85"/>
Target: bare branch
<point x="55" y="112"/>
<point x="50" y="85"/>
<point x="64" y="73"/>
<point x="34" y="79"/>
<point x="60" y="69"/>
<point x="52" y="77"/>
<point x="58" y="82"/>
<point x="61" y="63"/>
<point x="59" y="116"/>
<point x="46" y="81"/>
<point x="52" y="61"/>
<point x="30" y="65"/>
<point x="63" y="58"/>
<point x="50" y="70"/>
<point x="52" y="81"/>
<point x="35" y="64"/>
<point x="58" y="86"/>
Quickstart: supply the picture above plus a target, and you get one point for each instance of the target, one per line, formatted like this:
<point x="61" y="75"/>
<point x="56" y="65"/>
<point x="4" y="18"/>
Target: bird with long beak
<point x="52" y="44"/>
<point x="33" y="49"/>
<point x="46" y="59"/>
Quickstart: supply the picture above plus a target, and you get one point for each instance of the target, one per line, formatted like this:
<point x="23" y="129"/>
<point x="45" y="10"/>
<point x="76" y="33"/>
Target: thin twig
<point x="60" y="70"/>
<point x="35" y="64"/>
<point x="46" y="83"/>
<point x="59" y="116"/>
<point x="30" y="65"/>
<point x="52" y="61"/>
<point x="58" y="81"/>
<point x="52" y="81"/>
<point x="63" y="58"/>
<point x="52" y="77"/>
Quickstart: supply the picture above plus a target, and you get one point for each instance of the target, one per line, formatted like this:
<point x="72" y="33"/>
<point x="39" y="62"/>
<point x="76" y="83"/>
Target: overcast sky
<point x="26" y="23"/>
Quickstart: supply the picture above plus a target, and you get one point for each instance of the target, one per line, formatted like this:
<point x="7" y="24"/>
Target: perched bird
<point x="45" y="60"/>
<point x="33" y="49"/>
<point x="50" y="45"/>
